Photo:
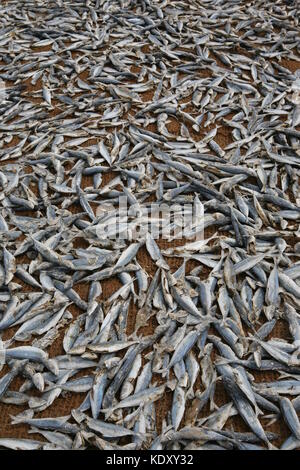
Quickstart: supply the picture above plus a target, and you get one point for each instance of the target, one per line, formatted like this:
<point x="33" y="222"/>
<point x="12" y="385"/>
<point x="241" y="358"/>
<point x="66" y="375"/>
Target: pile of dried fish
<point x="175" y="102"/>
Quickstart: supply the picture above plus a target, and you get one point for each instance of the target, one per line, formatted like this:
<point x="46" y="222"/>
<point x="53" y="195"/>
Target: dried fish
<point x="149" y="221"/>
